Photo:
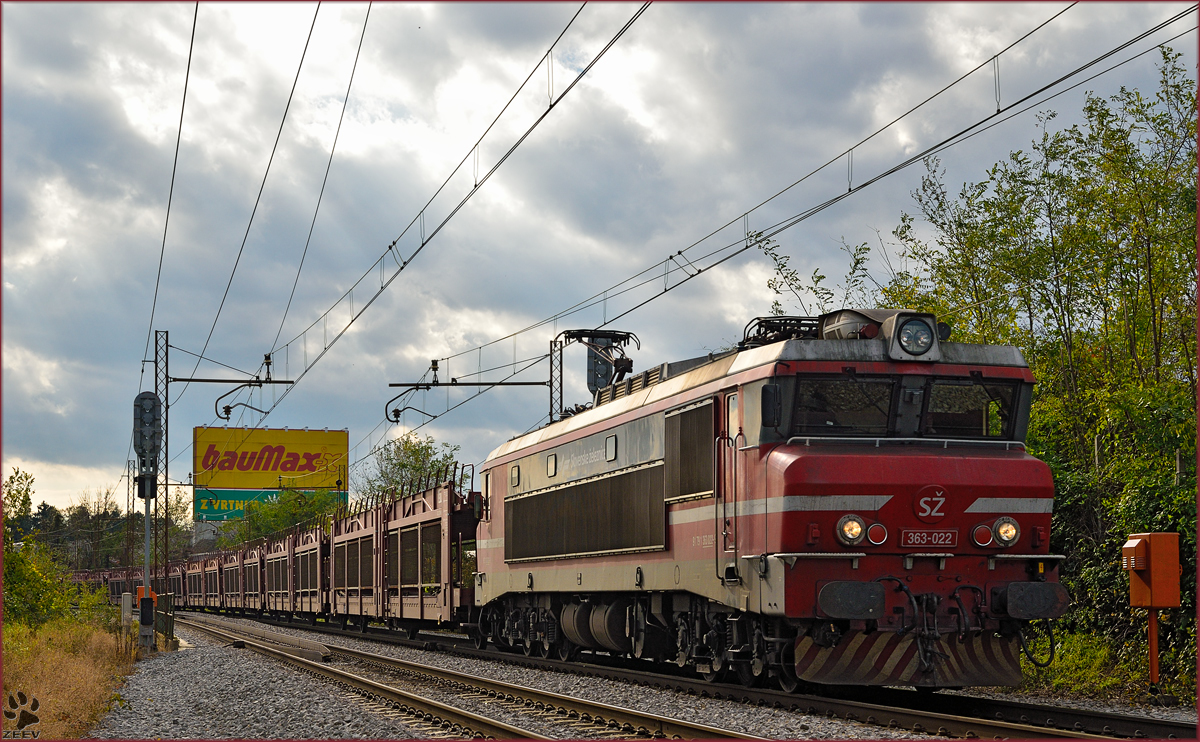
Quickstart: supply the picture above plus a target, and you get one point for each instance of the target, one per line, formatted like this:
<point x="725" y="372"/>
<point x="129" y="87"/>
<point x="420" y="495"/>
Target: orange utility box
<point x="1152" y="560"/>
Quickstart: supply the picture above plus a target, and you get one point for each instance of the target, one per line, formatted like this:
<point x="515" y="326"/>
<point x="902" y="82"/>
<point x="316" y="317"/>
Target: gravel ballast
<point x="209" y="691"/>
<point x="215" y="692"/>
<point x="765" y="722"/>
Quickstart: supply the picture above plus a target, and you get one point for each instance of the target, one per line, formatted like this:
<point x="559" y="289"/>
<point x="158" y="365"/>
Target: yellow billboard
<point x="269" y="459"/>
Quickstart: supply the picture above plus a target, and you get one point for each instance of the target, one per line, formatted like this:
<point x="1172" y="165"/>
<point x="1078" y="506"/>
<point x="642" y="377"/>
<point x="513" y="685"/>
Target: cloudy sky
<point x="694" y="116"/>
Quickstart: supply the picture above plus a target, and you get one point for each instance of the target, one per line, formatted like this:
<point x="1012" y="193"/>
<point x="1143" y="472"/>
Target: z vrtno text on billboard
<point x="234" y="466"/>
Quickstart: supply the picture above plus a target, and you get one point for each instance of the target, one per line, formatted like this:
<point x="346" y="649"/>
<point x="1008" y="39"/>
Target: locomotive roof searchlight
<point x="909" y="336"/>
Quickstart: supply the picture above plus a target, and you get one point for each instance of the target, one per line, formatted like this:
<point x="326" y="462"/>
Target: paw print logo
<point x="27" y="717"/>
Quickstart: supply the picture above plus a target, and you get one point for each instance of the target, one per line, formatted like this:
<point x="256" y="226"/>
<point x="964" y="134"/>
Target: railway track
<point x="945" y="713"/>
<point x="575" y="716"/>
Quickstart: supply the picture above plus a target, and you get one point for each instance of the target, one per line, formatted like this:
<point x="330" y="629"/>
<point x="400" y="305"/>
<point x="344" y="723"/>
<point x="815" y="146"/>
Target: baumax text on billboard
<point x="244" y="458"/>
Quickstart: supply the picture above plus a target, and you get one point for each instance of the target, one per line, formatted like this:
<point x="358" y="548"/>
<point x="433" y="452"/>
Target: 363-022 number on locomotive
<point x="843" y="499"/>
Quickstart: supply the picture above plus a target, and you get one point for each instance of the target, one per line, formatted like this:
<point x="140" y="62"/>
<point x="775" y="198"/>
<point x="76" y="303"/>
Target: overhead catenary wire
<point x="405" y="263"/>
<point x="601" y="296"/>
<point x="665" y="266"/>
<point x="210" y="360"/>
<point x="170" y="198"/>
<point x="419" y="218"/>
<point x="325" y="180"/>
<point x="946" y="143"/>
<point x="536" y="361"/>
<point x="258" y="198"/>
<point x="171" y="190"/>
<point x="960" y="136"/>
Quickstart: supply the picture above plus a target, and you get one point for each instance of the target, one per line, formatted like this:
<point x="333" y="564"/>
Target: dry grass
<point x="72" y="669"/>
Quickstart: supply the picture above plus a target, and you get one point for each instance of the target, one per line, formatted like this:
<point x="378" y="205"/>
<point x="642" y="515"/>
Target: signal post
<point x="147" y="439"/>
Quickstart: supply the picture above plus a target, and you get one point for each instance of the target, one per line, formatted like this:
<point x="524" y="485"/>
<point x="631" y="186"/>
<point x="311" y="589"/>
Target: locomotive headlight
<point x="916" y="336"/>
<point x="851" y="529"/>
<point x="1007" y="531"/>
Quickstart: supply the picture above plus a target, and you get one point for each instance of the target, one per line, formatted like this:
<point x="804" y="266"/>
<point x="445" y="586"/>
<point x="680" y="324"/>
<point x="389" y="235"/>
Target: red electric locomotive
<point x="844" y="499"/>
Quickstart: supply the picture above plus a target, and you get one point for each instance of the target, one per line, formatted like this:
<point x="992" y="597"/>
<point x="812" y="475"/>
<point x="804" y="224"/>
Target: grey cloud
<point x="748" y="98"/>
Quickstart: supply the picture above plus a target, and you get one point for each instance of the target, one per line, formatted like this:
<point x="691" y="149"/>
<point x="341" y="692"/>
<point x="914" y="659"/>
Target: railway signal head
<point x="147" y="430"/>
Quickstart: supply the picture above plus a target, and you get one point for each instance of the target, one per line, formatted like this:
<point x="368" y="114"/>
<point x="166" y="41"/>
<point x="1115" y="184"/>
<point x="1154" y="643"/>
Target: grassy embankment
<point x="1087" y="666"/>
<point x="72" y="668"/>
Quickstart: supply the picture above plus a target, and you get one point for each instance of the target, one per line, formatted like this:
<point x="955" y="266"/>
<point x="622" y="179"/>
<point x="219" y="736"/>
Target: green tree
<point x="1082" y="252"/>
<point x="409" y="463"/>
<point x="37" y="587"/>
<point x="18" y="504"/>
<point x="786" y="280"/>
<point x="287" y="509"/>
<point x="94" y="535"/>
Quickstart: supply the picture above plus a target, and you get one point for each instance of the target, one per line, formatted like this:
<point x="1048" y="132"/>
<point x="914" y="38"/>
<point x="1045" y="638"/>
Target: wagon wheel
<point x="478" y="638"/>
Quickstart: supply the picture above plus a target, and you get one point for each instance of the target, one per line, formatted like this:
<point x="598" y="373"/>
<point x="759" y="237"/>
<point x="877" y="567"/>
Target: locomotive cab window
<point x="551" y="465"/>
<point x="965" y="408"/>
<point x="848" y="405"/>
<point x="610" y="448"/>
<point x="514" y="476"/>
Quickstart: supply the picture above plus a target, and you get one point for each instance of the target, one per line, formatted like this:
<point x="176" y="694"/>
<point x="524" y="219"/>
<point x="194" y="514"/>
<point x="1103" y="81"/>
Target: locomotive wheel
<point x="531" y="648"/>
<point x="787" y="681"/>
<point x="564" y="649"/>
<point x="505" y="644"/>
<point x="745" y="674"/>
<point x="786" y="677"/>
<point x="715" y="676"/>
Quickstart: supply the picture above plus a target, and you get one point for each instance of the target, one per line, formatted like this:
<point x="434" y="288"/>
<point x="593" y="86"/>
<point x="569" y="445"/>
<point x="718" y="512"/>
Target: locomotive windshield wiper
<point x="850" y="372"/>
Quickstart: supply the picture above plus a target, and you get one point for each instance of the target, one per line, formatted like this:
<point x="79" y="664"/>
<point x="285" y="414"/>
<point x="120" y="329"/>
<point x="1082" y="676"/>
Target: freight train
<point x="843" y="499"/>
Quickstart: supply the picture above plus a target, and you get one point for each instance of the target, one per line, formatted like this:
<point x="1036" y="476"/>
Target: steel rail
<point x="469" y="723"/>
<point x="601" y="713"/>
<point x="1105" y="723"/>
<point x="1025" y="720"/>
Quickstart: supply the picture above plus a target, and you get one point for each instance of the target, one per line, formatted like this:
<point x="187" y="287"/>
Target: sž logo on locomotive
<point x="929" y="503"/>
